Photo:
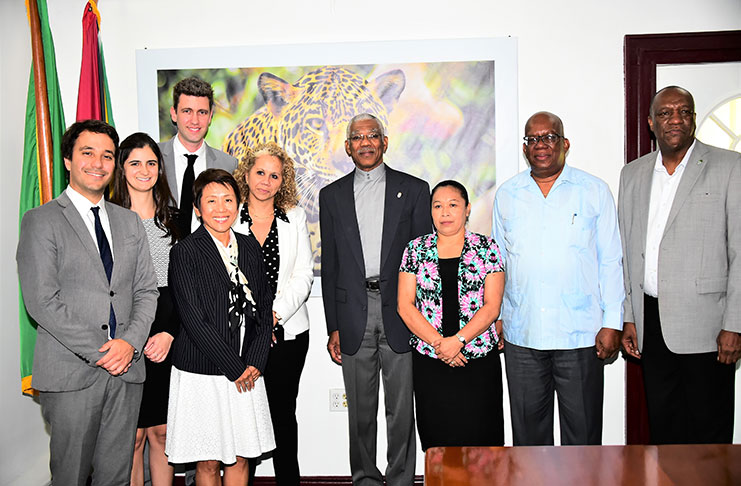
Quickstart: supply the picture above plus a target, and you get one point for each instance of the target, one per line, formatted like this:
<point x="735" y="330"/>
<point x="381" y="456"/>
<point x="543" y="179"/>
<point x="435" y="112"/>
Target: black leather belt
<point x="374" y="285"/>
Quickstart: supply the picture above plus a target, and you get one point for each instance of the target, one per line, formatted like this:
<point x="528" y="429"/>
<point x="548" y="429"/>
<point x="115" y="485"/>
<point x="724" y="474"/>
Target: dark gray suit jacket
<point x="215" y="159"/>
<point x="406" y="216"/>
<point x="66" y="291"/>
<point x="700" y="253"/>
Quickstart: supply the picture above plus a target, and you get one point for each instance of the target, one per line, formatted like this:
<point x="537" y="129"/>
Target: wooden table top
<point x="635" y="465"/>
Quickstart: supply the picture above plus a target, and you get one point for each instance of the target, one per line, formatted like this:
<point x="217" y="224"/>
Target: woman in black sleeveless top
<point x="450" y="292"/>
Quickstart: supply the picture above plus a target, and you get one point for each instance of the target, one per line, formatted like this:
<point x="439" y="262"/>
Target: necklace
<point x="263" y="218"/>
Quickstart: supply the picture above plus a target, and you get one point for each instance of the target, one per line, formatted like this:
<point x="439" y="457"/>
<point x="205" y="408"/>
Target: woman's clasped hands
<point x="246" y="381"/>
<point x="448" y="349"/>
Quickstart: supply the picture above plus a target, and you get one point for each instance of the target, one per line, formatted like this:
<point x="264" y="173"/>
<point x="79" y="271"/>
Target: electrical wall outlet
<point x="337" y="400"/>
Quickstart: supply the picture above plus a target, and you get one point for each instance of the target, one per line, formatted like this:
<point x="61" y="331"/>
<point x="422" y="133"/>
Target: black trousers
<point x="690" y="397"/>
<point x="282" y="375"/>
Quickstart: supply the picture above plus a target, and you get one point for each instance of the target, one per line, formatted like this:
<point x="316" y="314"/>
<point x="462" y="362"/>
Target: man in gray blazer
<point x="367" y="218"/>
<point x="187" y="154"/>
<point x="680" y="222"/>
<point x="88" y="281"/>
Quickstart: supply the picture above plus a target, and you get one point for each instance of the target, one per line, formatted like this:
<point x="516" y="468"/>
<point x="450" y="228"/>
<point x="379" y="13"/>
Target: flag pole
<point x="43" y="124"/>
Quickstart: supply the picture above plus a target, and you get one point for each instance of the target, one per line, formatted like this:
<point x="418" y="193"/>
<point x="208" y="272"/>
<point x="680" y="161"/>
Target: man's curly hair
<point x="287" y="195"/>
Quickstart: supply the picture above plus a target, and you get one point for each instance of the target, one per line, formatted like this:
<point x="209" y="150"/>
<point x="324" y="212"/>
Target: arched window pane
<point x="722" y="127"/>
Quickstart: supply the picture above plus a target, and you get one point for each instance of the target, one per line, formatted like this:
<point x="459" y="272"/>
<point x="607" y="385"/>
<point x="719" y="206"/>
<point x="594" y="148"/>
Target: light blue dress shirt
<point x="563" y="260"/>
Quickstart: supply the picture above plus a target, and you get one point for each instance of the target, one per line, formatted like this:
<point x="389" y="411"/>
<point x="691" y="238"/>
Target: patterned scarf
<point x="241" y="302"/>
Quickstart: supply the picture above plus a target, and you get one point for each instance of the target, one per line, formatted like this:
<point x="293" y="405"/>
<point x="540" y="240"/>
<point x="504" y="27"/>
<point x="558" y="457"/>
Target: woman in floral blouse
<point x="450" y="292"/>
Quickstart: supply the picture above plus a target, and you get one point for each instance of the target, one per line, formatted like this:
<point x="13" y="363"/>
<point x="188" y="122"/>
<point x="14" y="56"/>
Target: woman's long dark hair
<point x="165" y="210"/>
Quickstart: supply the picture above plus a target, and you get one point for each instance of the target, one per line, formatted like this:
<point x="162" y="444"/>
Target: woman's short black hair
<point x="450" y="183"/>
<point x="208" y="176"/>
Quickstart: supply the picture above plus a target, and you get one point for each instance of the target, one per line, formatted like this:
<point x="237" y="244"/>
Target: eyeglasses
<point x="549" y="139"/>
<point x="358" y="137"/>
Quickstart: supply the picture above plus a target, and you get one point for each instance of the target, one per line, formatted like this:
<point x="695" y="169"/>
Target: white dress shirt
<point x="84" y="207"/>
<point x="181" y="163"/>
<point x="663" y="189"/>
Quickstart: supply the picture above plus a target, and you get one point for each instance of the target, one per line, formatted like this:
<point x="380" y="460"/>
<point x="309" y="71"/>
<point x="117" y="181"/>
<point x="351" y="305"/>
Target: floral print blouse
<point x="479" y="258"/>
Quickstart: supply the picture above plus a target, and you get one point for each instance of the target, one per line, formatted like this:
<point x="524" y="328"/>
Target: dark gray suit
<point x="347" y="305"/>
<point x="689" y="394"/>
<point x="66" y="291"/>
<point x="215" y="159"/>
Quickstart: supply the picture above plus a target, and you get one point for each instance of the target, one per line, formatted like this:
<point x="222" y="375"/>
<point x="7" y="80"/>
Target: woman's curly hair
<point x="287" y="195"/>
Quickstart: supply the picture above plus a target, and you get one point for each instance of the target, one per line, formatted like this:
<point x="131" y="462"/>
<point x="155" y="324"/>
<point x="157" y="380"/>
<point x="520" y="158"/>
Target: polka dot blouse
<point x="270" y="251"/>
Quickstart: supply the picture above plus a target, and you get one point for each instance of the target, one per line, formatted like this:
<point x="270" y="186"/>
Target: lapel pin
<point x="398" y="195"/>
<point x="699" y="162"/>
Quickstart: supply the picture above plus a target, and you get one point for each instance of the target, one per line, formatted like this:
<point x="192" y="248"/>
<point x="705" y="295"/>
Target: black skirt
<point x="458" y="406"/>
<point x="156" y="392"/>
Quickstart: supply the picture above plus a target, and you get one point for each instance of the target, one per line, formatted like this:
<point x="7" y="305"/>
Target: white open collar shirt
<point x="84" y="207"/>
<point x="663" y="189"/>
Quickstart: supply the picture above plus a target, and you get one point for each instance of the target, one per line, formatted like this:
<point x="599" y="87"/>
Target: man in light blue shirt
<point x="562" y="308"/>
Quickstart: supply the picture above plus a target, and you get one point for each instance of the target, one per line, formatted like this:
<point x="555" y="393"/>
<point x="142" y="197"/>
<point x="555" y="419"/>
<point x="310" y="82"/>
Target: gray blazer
<point x="700" y="255"/>
<point x="215" y="159"/>
<point x="66" y="291"/>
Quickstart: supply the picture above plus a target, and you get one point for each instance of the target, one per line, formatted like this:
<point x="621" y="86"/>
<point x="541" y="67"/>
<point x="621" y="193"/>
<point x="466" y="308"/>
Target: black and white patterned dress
<point x="153" y="409"/>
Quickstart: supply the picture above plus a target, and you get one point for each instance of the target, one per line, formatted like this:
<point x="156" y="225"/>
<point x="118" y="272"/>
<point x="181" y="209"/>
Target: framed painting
<point x="449" y="108"/>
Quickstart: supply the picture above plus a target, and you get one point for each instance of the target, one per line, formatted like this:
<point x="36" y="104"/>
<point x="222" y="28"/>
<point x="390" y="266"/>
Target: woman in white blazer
<point x="270" y="214"/>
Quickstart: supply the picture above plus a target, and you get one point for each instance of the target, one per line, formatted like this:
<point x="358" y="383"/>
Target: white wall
<point x="24" y="445"/>
<point x="570" y="62"/>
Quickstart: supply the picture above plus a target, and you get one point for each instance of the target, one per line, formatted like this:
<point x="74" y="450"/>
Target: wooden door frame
<point x="642" y="53"/>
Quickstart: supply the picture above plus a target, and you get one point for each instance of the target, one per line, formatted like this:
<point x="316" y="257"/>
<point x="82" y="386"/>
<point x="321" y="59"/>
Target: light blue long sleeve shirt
<point x="563" y="260"/>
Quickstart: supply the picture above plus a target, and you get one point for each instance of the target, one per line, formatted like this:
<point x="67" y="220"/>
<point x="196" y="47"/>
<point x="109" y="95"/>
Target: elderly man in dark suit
<point x="88" y="281"/>
<point x="680" y="221"/>
<point x="367" y="217"/>
<point x="187" y="154"/>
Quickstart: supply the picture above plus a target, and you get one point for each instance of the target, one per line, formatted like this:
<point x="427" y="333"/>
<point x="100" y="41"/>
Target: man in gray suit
<point x="367" y="218"/>
<point x="88" y="281"/>
<point x="680" y="221"/>
<point x="186" y="154"/>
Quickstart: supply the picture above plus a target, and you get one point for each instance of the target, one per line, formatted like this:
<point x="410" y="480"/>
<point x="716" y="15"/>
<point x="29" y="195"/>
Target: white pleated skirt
<point x="209" y="420"/>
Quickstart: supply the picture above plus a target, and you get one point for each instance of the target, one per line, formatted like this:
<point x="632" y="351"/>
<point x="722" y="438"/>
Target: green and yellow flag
<point x="43" y="176"/>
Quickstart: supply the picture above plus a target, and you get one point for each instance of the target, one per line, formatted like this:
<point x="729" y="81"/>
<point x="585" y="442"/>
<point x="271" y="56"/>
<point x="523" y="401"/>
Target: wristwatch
<point x="461" y="339"/>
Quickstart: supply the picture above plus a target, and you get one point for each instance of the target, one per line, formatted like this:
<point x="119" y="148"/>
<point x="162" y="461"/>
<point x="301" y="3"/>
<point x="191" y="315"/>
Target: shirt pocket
<point x="578" y="313"/>
<point x="516" y="233"/>
<point x="583" y="231"/>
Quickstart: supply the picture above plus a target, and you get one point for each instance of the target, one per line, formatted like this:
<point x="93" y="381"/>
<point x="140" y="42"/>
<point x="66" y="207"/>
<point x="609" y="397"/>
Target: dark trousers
<point x="575" y="375"/>
<point x="282" y="375"/>
<point x="690" y="397"/>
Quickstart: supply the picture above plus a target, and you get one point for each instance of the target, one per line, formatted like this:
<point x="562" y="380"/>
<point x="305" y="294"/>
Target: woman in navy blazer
<point x="271" y="217"/>
<point x="218" y="412"/>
